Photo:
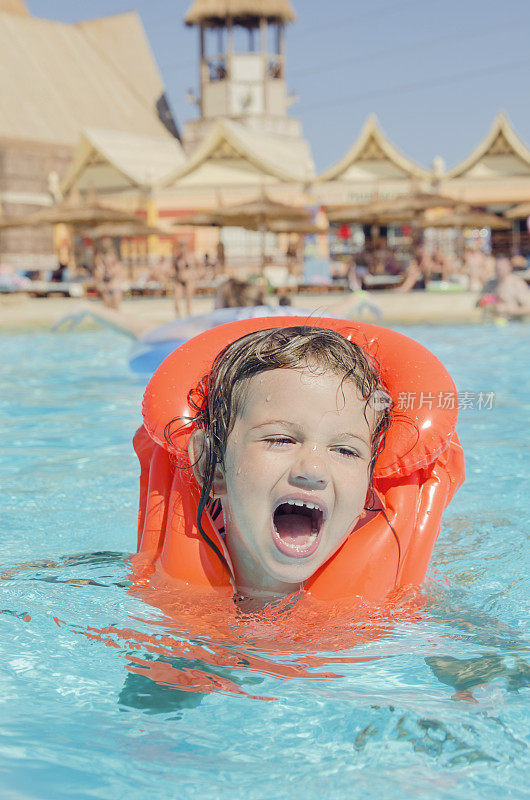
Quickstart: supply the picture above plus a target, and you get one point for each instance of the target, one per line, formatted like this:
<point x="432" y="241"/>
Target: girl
<point x="287" y="466"/>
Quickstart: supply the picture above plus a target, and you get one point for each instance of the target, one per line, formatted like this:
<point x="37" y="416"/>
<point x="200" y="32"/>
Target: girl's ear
<point x="198" y="453"/>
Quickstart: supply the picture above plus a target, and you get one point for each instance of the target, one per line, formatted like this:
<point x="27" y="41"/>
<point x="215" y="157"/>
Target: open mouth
<point x="296" y="527"/>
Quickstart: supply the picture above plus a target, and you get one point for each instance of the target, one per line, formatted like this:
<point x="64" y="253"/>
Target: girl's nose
<point x="309" y="470"/>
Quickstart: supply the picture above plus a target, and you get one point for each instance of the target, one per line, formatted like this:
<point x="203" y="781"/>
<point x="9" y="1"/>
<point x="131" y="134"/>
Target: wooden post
<point x="280" y="48"/>
<point x="230" y="36"/>
<point x="263" y="232"/>
<point x="516" y="238"/>
<point x="263" y="35"/>
<point x="265" y="62"/>
<point x="152" y="219"/>
<point x="202" y="68"/>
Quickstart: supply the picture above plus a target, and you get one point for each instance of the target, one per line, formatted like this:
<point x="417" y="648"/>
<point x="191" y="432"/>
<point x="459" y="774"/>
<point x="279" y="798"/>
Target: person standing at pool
<point x="108" y="274"/>
<point x="183" y="279"/>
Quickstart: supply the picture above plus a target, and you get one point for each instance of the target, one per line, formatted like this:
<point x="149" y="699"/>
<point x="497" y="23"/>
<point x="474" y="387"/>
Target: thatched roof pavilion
<point x="241" y="12"/>
<point x="497" y="172"/>
<point x="57" y="80"/>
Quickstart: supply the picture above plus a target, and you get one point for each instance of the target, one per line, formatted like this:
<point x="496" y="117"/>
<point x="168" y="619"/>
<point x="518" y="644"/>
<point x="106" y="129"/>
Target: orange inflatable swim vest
<point x="415" y="476"/>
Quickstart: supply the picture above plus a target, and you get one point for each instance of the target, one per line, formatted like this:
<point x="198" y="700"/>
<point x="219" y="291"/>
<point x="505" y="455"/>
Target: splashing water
<point x="108" y="692"/>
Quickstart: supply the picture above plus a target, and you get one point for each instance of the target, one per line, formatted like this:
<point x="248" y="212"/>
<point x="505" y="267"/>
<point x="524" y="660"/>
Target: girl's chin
<point x="290" y="580"/>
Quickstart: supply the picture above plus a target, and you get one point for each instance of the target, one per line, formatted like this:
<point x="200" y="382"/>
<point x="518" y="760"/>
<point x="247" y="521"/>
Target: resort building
<point x="242" y="143"/>
<point x="372" y="167"/>
<point x="74" y="120"/>
<point x="56" y="81"/>
<point x="496" y="173"/>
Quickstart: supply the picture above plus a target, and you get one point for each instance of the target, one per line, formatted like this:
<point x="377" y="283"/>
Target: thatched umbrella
<point x="464" y="217"/>
<point x="365" y="214"/>
<point x="415" y="203"/>
<point x="415" y="208"/>
<point x="265" y="215"/>
<point x="262" y="214"/>
<point x="467" y="218"/>
<point x="520" y="211"/>
<point x="125" y="230"/>
<point x="255" y="215"/>
<point x="136" y="229"/>
<point x="200" y="219"/>
<point x="70" y="212"/>
<point x="74" y="212"/>
<point x="303" y="228"/>
<point x="396" y="210"/>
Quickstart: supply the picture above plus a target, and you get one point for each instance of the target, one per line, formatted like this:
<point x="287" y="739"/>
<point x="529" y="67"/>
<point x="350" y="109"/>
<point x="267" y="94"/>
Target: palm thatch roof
<point x="262" y="213"/>
<point x="57" y="78"/>
<point x="72" y="211"/>
<point x="216" y="12"/>
<point x="125" y="230"/>
<point x="520" y="211"/>
<point x="465" y="217"/>
<point x="395" y="210"/>
<point x="423" y="210"/>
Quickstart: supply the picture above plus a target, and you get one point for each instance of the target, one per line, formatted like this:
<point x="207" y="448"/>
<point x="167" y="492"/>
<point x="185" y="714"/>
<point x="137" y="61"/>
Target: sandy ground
<point x="22" y="313"/>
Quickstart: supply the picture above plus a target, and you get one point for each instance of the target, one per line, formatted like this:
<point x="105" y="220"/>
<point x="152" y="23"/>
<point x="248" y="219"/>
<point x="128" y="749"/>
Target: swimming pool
<point x="102" y="698"/>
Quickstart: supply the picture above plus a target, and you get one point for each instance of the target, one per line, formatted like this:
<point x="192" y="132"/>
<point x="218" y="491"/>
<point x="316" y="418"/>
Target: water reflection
<point x="184" y="645"/>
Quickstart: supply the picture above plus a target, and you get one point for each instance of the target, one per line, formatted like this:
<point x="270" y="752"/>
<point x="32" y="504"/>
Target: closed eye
<point x="348" y="452"/>
<point x="278" y="441"/>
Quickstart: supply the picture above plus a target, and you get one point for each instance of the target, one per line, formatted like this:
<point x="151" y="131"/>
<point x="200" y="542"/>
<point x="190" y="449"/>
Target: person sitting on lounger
<point x="509" y="297"/>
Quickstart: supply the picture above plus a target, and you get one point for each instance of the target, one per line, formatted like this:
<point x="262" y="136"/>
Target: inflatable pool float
<point x="415" y="476"/>
<point x="150" y="350"/>
<point x="445" y="286"/>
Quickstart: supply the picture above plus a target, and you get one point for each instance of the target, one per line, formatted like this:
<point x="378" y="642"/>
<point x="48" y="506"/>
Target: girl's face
<point x="295" y="477"/>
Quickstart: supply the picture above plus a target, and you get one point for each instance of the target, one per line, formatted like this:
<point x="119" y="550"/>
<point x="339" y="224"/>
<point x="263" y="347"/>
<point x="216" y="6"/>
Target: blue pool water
<point x="435" y="706"/>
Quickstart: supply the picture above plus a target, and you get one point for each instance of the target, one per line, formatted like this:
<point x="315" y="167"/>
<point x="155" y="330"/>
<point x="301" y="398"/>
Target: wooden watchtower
<point x="242" y="72"/>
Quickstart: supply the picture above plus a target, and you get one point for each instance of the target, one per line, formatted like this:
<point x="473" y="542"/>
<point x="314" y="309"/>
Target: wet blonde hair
<point x="220" y="395"/>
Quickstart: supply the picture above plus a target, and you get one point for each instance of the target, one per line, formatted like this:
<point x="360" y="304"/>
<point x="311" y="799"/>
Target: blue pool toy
<point x="150" y="350"/>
